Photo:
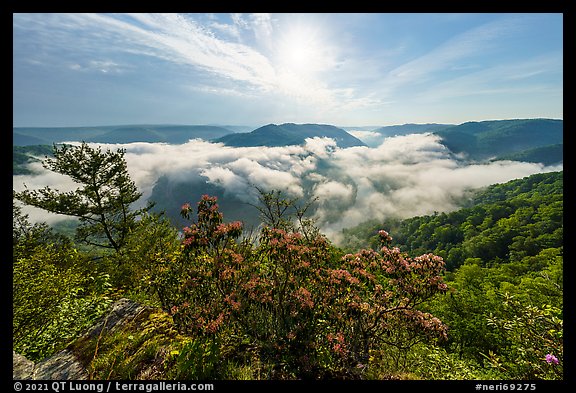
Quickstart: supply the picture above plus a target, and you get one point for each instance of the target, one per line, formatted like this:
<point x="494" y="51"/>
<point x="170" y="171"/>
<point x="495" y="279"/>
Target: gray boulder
<point x="65" y="365"/>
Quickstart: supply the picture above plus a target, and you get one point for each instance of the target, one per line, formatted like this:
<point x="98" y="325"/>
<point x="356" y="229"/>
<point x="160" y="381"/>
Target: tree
<point x="278" y="212"/>
<point x="102" y="203"/>
<point x="26" y="236"/>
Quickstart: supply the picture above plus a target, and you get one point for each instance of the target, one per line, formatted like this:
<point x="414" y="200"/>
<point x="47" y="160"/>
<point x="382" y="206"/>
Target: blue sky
<point x="253" y="69"/>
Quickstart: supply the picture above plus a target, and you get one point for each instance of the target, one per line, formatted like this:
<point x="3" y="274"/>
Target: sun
<point x="299" y="51"/>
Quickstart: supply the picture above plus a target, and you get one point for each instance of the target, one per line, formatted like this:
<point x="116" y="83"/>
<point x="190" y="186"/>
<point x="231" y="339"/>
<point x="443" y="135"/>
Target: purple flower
<point x="551" y="359"/>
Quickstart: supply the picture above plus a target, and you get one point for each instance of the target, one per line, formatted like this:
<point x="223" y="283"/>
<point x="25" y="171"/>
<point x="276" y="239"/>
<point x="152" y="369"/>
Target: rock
<point x="121" y="312"/>
<point x="63" y="365"/>
<point x="22" y="368"/>
<point x="66" y="365"/>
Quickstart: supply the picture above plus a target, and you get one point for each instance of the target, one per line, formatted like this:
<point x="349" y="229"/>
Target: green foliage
<point x="151" y="239"/>
<point x="102" y="204"/>
<point x="54" y="296"/>
<point x="435" y="363"/>
<point x="534" y="334"/>
<point x="508" y="241"/>
<point x="504" y="223"/>
<point x="27" y="236"/>
<point x="138" y="350"/>
<point x="194" y="359"/>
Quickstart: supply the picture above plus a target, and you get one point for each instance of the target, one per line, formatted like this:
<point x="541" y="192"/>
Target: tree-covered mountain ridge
<point x="477" y="139"/>
<point x="290" y="134"/>
<point x="494" y="138"/>
<point x="175" y="134"/>
<point x="502" y="223"/>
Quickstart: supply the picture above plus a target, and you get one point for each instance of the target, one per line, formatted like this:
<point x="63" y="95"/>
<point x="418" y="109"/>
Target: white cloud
<point x="368" y="137"/>
<point x="220" y="51"/>
<point x="102" y="66"/>
<point x="403" y="177"/>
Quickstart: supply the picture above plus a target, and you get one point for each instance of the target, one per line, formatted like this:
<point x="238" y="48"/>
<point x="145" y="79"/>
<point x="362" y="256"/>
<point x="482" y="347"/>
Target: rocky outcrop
<point x="22" y="368"/>
<point x="66" y="365"/>
<point x="121" y="312"/>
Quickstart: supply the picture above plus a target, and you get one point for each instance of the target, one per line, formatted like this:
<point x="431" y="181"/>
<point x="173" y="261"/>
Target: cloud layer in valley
<point x="405" y="176"/>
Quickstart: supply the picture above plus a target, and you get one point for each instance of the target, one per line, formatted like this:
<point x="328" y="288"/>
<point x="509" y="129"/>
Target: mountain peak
<point x="290" y="134"/>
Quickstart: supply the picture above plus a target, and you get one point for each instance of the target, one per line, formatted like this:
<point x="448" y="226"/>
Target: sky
<point x="348" y="69"/>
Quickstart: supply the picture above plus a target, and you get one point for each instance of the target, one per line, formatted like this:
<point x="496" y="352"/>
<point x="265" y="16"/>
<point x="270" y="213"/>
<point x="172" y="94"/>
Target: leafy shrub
<point x="53" y="303"/>
<point x="535" y="334"/>
<point x="55" y="292"/>
<point x="308" y="313"/>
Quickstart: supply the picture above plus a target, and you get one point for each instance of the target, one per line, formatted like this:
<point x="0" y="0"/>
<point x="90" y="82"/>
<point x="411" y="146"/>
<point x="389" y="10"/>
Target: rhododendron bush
<point x="292" y="298"/>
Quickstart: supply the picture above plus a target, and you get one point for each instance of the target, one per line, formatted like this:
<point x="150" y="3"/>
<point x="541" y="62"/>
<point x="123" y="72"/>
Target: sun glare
<point x="300" y="51"/>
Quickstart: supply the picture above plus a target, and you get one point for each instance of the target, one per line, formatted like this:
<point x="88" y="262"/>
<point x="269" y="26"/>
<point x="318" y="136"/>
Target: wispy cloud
<point x="261" y="67"/>
<point x="337" y="69"/>
<point x="102" y="66"/>
<point x="460" y="59"/>
<point x="181" y="40"/>
<point x="500" y="80"/>
<point x="451" y="53"/>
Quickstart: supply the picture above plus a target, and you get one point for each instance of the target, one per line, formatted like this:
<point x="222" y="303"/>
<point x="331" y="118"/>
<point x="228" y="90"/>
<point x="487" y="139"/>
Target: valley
<point x="413" y="170"/>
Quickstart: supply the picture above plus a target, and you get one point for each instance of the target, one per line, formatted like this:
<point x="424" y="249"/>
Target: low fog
<point x="402" y="177"/>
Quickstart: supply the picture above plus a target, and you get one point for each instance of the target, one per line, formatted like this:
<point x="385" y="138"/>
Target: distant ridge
<point x="26" y="140"/>
<point x="492" y="138"/>
<point x="532" y="140"/>
<point x="547" y="155"/>
<point x="173" y="134"/>
<point x="290" y="134"/>
<point x="410" y="128"/>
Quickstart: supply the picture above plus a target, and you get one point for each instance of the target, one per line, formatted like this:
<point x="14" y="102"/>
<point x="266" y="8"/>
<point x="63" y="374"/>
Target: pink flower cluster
<point x="338" y="343"/>
<point x="551" y="359"/>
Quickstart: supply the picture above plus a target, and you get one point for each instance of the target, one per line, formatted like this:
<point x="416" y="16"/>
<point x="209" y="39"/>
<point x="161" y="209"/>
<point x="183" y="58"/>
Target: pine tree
<point x="101" y="203"/>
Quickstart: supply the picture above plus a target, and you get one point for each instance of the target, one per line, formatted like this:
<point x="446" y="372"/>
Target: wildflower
<point x="384" y="236"/>
<point x="551" y="359"/>
<point x="304" y="297"/>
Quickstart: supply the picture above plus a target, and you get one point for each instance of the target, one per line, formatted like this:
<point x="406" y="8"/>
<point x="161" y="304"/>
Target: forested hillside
<point x="503" y="223"/>
<point x="493" y="138"/>
<point x="504" y="260"/>
<point x="471" y="294"/>
<point x="289" y="134"/>
<point x="547" y="155"/>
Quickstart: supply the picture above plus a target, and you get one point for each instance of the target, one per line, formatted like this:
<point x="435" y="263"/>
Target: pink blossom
<point x="551" y="359"/>
<point x="384" y="236"/>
